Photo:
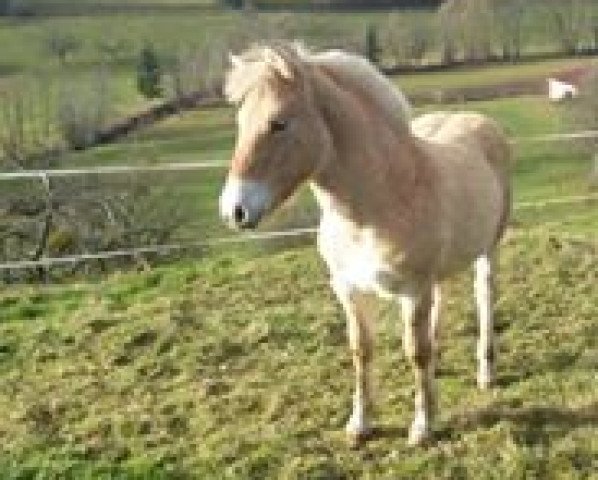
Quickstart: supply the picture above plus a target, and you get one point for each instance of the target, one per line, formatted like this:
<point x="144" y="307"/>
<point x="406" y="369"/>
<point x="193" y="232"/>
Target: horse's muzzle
<point x="243" y="203"/>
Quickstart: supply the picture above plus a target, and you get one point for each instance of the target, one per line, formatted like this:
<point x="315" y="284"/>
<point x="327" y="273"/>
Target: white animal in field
<point x="559" y="90"/>
<point x="405" y="204"/>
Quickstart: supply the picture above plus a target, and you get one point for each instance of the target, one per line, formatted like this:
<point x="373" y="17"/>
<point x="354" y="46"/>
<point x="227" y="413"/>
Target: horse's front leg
<point x="416" y="309"/>
<point x="360" y="341"/>
<point x="435" y="313"/>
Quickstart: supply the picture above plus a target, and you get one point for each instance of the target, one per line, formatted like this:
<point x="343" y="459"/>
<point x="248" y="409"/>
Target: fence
<point x="210" y="231"/>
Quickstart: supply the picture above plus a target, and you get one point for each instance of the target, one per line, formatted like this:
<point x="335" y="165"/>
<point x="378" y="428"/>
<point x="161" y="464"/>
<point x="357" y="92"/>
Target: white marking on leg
<point x="435" y="323"/>
<point x="416" y="311"/>
<point x="360" y="342"/>
<point x="483" y="295"/>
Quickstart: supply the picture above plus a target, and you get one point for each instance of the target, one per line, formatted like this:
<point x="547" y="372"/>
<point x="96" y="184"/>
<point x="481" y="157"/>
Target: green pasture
<point x="487" y="74"/>
<point x="25" y="42"/>
<point x="34" y="77"/>
<point x="208" y="134"/>
<point x="236" y="366"/>
<point x="29" y="70"/>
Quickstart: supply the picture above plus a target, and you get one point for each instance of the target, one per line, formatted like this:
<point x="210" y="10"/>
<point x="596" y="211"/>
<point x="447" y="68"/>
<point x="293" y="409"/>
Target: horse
<point x="404" y="203"/>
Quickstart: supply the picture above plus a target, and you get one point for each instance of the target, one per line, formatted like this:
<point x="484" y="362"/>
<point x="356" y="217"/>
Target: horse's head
<point x="281" y="139"/>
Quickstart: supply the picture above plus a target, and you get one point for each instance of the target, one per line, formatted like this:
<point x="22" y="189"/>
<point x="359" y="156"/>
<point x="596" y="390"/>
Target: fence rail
<point x="44" y="175"/>
<point x="115" y="169"/>
<point x="47" y="262"/>
<point x="155" y="249"/>
<point x="215" y="164"/>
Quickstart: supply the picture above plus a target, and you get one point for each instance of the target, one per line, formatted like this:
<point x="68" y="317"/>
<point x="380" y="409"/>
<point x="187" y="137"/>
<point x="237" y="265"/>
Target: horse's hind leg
<point x="360" y="341"/>
<point x="483" y="288"/>
<point x="435" y="324"/>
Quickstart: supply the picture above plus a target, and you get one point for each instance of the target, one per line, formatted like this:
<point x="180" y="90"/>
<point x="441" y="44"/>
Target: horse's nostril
<point x="240" y="215"/>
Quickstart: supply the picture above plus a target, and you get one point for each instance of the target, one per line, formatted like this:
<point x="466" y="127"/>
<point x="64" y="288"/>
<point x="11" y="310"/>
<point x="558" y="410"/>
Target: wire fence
<point x="75" y="182"/>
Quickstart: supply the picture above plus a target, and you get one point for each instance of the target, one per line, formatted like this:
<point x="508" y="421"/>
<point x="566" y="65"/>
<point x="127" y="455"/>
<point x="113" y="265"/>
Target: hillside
<point x="235" y="366"/>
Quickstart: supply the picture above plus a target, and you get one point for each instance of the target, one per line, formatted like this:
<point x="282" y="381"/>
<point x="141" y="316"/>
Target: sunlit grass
<point x="236" y="367"/>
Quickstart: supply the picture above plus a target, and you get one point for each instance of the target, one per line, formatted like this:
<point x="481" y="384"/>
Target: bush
<point x="26" y="124"/>
<point x="83" y="108"/>
<point x="149" y="73"/>
<point x="61" y="45"/>
<point x="371" y="43"/>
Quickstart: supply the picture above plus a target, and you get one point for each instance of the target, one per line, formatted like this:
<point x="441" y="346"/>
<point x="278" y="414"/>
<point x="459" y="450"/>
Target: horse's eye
<point x="277" y="125"/>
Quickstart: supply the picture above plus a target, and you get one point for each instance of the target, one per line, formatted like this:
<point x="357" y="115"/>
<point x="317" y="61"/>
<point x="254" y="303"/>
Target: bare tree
<point x="83" y="108"/>
<point x="466" y="26"/>
<point x="447" y="28"/>
<point x="508" y="17"/>
<point x="407" y="41"/>
<point x="572" y="24"/>
<point x="471" y="23"/>
<point x="26" y="124"/>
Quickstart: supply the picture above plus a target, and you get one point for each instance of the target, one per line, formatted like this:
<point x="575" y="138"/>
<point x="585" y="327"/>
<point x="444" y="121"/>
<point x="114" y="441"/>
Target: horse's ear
<point x="281" y="65"/>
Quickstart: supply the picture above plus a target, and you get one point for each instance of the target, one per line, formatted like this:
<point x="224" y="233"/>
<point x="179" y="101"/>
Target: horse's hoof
<point x="358" y="432"/>
<point x="485" y="382"/>
<point x="419" y="435"/>
<point x="357" y="438"/>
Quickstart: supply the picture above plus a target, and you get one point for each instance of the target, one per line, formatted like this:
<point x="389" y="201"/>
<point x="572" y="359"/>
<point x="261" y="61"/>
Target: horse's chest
<point x="358" y="258"/>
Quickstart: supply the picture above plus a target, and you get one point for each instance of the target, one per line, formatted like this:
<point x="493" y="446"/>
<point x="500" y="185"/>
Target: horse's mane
<point x="351" y="71"/>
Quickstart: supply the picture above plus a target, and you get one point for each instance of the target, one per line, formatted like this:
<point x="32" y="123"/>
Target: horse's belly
<point x="470" y="220"/>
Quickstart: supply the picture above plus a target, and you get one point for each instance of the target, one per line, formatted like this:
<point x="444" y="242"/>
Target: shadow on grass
<point x="389" y="432"/>
<point x="533" y="422"/>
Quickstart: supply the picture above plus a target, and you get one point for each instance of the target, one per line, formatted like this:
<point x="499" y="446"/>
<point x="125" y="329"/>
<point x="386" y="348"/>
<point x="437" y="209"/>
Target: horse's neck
<point x="372" y="170"/>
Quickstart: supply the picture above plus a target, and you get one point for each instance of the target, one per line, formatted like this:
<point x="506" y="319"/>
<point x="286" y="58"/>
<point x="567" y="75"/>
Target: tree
<point x="409" y="41"/>
<point x="468" y="24"/>
<point x="17" y="7"/>
<point x="83" y="108"/>
<point x="508" y="20"/>
<point x="569" y="22"/>
<point x="447" y="28"/>
<point x="371" y="43"/>
<point x="149" y="73"/>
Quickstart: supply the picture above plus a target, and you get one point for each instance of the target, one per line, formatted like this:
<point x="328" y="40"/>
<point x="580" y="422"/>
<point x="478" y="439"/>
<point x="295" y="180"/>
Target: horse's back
<point x="468" y="129"/>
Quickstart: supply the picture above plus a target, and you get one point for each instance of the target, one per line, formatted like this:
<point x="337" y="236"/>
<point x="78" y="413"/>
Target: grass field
<point x="487" y="75"/>
<point x="29" y="70"/>
<point x="28" y="66"/>
<point x="236" y="367"/>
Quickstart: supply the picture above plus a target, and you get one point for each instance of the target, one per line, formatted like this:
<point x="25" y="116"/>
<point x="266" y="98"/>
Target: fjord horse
<point x="404" y="204"/>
